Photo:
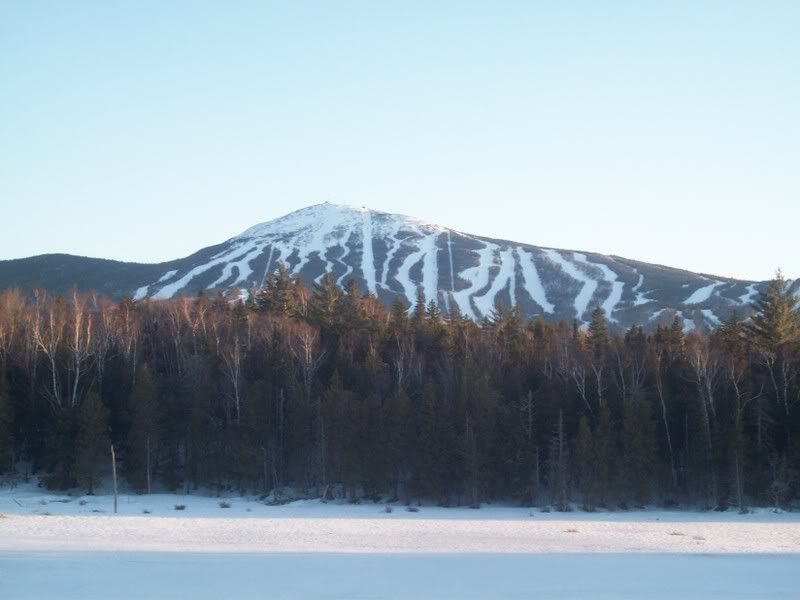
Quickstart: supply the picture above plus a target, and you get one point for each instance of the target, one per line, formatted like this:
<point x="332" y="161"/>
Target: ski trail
<point x="749" y="295"/>
<point x="581" y="302"/>
<point x="617" y="287"/>
<point x="168" y="291"/>
<point x="390" y="252"/>
<point x="711" y="317"/>
<point x="430" y="268"/>
<point x="367" y="256"/>
<point x="316" y="243"/>
<point x="641" y="297"/>
<point x="242" y="265"/>
<point x="266" y="268"/>
<point x="348" y="268"/>
<point x="477" y="277"/>
<point x="505" y="276"/>
<point x="426" y="252"/>
<point x="704" y="293"/>
<point x="533" y="283"/>
<point x="166" y="276"/>
<point x="450" y="255"/>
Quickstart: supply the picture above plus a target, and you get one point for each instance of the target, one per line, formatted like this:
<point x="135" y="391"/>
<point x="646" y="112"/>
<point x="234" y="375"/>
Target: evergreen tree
<point x="398" y="317"/>
<point x="93" y="443"/>
<point x="143" y="436"/>
<point x="432" y="312"/>
<point x="279" y="296"/>
<point x="638" y="435"/>
<point x="598" y="336"/>
<point x="324" y="303"/>
<point x="774" y="331"/>
<point x="775" y="323"/>
<point x="419" y="307"/>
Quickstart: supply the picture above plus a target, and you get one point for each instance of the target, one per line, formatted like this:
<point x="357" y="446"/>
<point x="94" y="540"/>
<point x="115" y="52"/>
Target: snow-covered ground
<point x="74" y="547"/>
<point x="135" y="575"/>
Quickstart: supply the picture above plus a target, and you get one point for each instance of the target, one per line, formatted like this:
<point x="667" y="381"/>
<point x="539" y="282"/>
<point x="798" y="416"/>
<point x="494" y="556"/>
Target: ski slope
<point x="395" y="257"/>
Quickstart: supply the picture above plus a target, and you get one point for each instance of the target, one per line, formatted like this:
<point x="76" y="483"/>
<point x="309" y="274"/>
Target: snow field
<point x="134" y="575"/>
<point x="58" y="546"/>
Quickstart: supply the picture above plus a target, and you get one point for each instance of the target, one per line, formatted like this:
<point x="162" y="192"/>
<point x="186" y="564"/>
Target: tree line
<point x="327" y="392"/>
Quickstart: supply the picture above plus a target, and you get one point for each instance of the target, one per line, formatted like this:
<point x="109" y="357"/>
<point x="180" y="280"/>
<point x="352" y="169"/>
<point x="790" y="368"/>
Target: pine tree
<point x="774" y="331"/>
<point x="775" y="323"/>
<point x="324" y="303"/>
<point x="432" y="312"/>
<point x="352" y="308"/>
<point x="419" y="307"/>
<point x="143" y="436"/>
<point x="93" y="443"/>
<point x="598" y="336"/>
<point x="398" y="317"/>
<point x="676" y="337"/>
<point x="279" y="296"/>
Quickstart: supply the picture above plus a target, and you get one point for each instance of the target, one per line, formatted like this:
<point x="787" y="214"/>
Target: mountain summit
<point x="394" y="256"/>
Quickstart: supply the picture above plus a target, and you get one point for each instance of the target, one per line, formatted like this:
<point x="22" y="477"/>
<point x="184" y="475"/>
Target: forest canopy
<point x="329" y="392"/>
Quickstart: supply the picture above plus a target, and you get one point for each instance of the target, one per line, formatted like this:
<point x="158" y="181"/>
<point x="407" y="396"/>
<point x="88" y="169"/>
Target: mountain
<point x="401" y="256"/>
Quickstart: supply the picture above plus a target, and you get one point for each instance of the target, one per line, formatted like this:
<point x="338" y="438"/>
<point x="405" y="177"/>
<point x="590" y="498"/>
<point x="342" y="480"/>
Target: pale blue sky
<point x="662" y="131"/>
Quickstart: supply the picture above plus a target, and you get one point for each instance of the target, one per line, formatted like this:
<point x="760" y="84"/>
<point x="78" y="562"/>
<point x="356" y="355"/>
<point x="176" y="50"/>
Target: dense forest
<point x="326" y="392"/>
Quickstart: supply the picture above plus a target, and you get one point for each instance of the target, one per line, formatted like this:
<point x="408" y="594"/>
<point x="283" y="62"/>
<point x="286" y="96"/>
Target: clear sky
<point x="663" y="131"/>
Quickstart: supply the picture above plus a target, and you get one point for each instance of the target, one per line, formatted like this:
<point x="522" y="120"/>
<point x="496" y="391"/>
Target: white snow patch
<point x="704" y="293"/>
<point x="391" y="236"/>
<point x="323" y="226"/>
<point x="477" y="277"/>
<point x="450" y="256"/>
<point x="711" y="317"/>
<point x="367" y="254"/>
<point x="243" y="266"/>
<point x="167" y="275"/>
<point x="617" y="287"/>
<point x="657" y="315"/>
<point x="426" y="252"/>
<point x="168" y="291"/>
<point x="749" y="295"/>
<point x="506" y="275"/>
<point x="141" y="292"/>
<point x="586" y="292"/>
<point x="430" y="267"/>
<point x="641" y="297"/>
<point x="267" y="266"/>
<point x="688" y="325"/>
<point x="533" y="283"/>
<point x="347" y="268"/>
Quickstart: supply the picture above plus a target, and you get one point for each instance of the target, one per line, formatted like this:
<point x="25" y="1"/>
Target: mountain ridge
<point x="404" y="255"/>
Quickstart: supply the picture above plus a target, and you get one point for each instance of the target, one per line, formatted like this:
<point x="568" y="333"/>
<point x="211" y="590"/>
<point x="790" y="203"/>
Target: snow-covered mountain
<point x="393" y="256"/>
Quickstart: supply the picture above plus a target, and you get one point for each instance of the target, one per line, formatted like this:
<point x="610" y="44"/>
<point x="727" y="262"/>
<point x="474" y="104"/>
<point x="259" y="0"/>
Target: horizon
<point x="666" y="135"/>
<point x="411" y="217"/>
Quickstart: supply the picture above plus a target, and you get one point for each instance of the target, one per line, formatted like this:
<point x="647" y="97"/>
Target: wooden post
<point x="114" y="474"/>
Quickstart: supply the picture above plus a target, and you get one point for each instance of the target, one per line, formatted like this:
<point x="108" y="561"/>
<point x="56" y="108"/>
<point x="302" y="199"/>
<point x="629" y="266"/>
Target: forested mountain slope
<point x="397" y="257"/>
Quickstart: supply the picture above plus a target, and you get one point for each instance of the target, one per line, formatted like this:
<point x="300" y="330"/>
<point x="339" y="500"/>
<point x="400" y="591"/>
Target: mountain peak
<point x="398" y="257"/>
<point x="328" y="218"/>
